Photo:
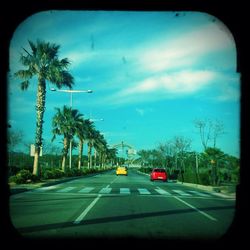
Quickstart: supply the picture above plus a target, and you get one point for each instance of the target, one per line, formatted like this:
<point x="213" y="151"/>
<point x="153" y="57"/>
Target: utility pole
<point x="197" y="168"/>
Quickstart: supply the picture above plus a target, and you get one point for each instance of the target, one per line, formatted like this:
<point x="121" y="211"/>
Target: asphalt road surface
<point x="110" y="206"/>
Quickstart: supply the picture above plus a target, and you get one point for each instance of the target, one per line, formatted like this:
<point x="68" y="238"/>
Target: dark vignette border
<point x="232" y="13"/>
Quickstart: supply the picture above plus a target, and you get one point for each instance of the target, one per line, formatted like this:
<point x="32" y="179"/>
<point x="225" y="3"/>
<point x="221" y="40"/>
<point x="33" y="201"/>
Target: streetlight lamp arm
<point x="72" y="91"/>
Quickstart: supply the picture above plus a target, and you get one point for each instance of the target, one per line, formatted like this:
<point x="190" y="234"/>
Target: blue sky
<point x="152" y="74"/>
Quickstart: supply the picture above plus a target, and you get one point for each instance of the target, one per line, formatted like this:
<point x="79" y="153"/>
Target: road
<point x="109" y="206"/>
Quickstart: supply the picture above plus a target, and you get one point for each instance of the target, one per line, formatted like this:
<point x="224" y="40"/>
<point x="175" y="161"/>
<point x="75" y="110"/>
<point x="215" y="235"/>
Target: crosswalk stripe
<point x="105" y="190"/>
<point x="143" y="191"/>
<point x="46" y="188"/>
<point x="161" y="191"/>
<point x="86" y="190"/>
<point x="65" y="190"/>
<point x="124" y="191"/>
<point x="200" y="194"/>
<point x="180" y="192"/>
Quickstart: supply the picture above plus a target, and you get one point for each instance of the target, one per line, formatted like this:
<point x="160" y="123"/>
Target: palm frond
<point x="24" y="85"/>
<point x="65" y="63"/>
<point x="26" y="60"/>
<point x="33" y="47"/>
<point x="23" y="74"/>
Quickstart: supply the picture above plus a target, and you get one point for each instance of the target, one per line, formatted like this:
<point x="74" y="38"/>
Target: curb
<point x="20" y="188"/>
<point x="215" y="190"/>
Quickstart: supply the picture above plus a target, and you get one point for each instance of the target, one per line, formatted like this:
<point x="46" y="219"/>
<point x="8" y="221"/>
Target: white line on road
<point x="67" y="189"/>
<point x="143" y="191"/>
<point x="105" y="190"/>
<point x="46" y="188"/>
<point x="196" y="209"/>
<point x="180" y="192"/>
<point x="200" y="194"/>
<point x="124" y="191"/>
<point x="84" y="213"/>
<point x="86" y="190"/>
<point x="161" y="191"/>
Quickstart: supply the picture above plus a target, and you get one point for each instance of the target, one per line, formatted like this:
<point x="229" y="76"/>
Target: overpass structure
<point x="127" y="150"/>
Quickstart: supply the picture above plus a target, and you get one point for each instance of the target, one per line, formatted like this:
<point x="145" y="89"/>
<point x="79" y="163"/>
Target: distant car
<point x="158" y="174"/>
<point x="121" y="170"/>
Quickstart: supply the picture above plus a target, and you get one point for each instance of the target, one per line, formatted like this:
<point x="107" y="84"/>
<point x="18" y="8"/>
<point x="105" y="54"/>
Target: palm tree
<point x="82" y="134"/>
<point x="214" y="156"/>
<point x="99" y="145"/>
<point x="43" y="63"/>
<point x="66" y="122"/>
<point x="92" y="137"/>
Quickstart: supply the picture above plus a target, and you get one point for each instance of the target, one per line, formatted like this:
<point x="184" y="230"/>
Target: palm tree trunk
<point x="40" y="108"/>
<point x="35" y="164"/>
<point x="65" y="152"/>
<point x="95" y="154"/>
<point x="63" y="163"/>
<point x="89" y="155"/>
<point x="80" y="154"/>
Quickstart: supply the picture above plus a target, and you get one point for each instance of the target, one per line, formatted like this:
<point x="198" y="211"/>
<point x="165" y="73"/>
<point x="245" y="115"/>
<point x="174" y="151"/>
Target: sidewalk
<point x="19" y="188"/>
<point x="222" y="191"/>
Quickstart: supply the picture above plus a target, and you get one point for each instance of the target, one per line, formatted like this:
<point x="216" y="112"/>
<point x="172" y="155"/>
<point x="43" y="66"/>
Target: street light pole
<point x="71" y="91"/>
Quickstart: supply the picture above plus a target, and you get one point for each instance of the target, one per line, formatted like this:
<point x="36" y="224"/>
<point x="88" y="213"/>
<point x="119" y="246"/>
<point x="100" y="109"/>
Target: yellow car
<point x="121" y="171"/>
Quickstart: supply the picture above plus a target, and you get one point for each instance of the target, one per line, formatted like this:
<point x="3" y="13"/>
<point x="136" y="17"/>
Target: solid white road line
<point x="196" y="209"/>
<point x="84" y="213"/>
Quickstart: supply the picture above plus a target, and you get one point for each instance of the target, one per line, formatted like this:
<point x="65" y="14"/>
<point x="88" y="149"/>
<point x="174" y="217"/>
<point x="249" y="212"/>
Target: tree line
<point x="210" y="167"/>
<point x="42" y="62"/>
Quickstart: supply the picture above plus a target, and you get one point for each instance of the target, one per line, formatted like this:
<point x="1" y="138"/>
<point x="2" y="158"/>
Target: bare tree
<point x="218" y="130"/>
<point x="182" y="145"/>
<point x="167" y="150"/>
<point x="209" y="130"/>
<point x="204" y="128"/>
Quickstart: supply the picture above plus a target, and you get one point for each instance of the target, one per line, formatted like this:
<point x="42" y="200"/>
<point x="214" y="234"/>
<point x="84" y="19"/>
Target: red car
<point x="158" y="174"/>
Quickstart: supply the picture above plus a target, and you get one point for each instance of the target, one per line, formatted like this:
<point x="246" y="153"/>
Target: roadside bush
<point x="204" y="178"/>
<point x="190" y="176"/>
<point x="146" y="170"/>
<point x="13" y="170"/>
<point x="173" y="175"/>
<point x="21" y="177"/>
<point x="235" y="175"/>
<point x="52" y="173"/>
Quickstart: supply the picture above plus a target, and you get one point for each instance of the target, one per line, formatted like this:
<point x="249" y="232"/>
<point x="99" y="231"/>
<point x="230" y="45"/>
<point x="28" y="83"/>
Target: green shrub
<point x="190" y="176"/>
<point x="52" y="173"/>
<point x="204" y="178"/>
<point x="235" y="175"/>
<point x="146" y="170"/>
<point x="21" y="177"/>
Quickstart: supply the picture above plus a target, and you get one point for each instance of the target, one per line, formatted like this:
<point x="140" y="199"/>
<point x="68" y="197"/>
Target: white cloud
<point x="186" y="49"/>
<point x="182" y="82"/>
